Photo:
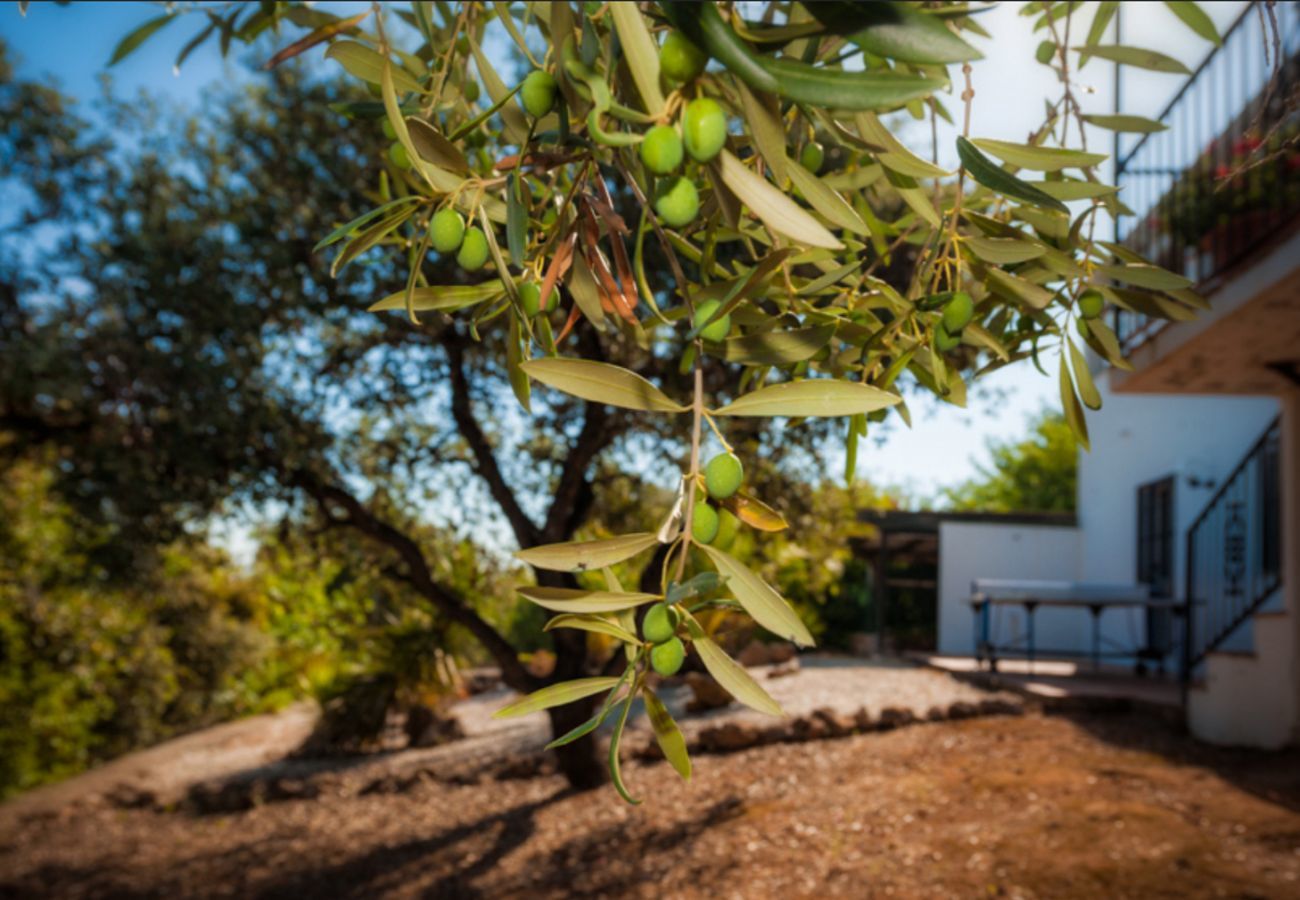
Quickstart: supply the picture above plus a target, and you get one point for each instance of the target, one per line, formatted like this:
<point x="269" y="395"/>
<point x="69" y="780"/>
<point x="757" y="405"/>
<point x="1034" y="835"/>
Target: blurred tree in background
<point x="1036" y="474"/>
<point x="172" y="352"/>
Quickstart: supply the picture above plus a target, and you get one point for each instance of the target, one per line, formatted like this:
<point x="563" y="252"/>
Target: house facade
<point x="1192" y="485"/>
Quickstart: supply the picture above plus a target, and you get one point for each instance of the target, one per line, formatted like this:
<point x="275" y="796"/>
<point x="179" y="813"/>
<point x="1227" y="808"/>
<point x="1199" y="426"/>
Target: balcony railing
<point x="1225" y="176"/>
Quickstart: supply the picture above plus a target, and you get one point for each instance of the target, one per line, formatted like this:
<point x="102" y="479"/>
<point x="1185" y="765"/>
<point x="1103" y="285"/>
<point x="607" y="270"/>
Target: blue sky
<point x="74" y="43"/>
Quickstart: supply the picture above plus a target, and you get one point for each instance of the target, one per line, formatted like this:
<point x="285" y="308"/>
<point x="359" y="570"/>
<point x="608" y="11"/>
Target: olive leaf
<point x="1004" y="251"/>
<point x="591" y="623"/>
<point x="1070" y="405"/>
<point x="667" y="734"/>
<point x="778" y="212"/>
<point x="1040" y="159"/>
<point x="582" y="556"/>
<point x="642" y="55"/>
<point x="442" y="297"/>
<point x="1137" y="57"/>
<point x="574" y="600"/>
<point x="997" y="179"/>
<point x="556" y="695"/>
<point x="760" y="599"/>
<point x="730" y="674"/>
<point x="824" y="200"/>
<point x="777" y="348"/>
<point x="368" y="65"/>
<point x="601" y="383"/>
<point x="1135" y="124"/>
<point x="812" y="397"/>
<point x="895" y="30"/>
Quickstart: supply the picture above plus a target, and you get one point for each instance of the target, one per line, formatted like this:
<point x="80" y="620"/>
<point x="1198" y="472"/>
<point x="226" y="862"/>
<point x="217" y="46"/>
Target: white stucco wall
<point x="1135" y="439"/>
<point x="1141" y="438"/>
<point x="970" y="550"/>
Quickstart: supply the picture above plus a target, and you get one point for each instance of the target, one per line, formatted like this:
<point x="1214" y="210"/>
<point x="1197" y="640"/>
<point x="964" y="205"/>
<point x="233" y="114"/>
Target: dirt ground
<point x="1032" y="806"/>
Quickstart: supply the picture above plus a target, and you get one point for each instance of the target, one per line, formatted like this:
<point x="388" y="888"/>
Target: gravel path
<point x="243" y="764"/>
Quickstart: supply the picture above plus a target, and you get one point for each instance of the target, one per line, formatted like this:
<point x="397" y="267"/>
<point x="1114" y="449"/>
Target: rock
<point x="130" y="796"/>
<point x="782" y="652"/>
<point x="729" y="737"/>
<point x="755" y="653"/>
<point x="936" y="714"/>
<point x="760" y="653"/>
<point x="962" y="710"/>
<point x="706" y="693"/>
<point x="790" y="667"/>
<point x="778" y="732"/>
<point x="1000" y="706"/>
<point x="291" y="789"/>
<point x="835" y="724"/>
<point x="426" y="728"/>
<point x="895" y="717"/>
<point x="809" y="728"/>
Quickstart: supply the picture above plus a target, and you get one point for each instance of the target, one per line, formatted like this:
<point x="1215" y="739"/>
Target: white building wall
<point x="1135" y="439"/>
<point x="970" y="550"/>
<point x="1141" y="438"/>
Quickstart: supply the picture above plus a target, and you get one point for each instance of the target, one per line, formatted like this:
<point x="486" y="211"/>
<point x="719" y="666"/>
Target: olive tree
<point x="754" y="141"/>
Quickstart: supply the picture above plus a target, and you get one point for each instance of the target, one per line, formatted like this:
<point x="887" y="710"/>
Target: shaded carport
<point x="901" y="555"/>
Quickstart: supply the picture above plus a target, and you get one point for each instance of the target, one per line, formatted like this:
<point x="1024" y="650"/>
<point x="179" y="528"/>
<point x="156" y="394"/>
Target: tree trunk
<point x="580" y="762"/>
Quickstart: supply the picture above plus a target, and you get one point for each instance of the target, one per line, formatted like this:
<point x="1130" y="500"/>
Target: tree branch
<point x="417" y="574"/>
<point x="526" y="531"/>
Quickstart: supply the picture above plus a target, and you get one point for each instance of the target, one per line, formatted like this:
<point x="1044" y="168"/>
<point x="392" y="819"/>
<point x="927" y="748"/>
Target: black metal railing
<point x="1234" y="561"/>
<point x="1224" y="177"/>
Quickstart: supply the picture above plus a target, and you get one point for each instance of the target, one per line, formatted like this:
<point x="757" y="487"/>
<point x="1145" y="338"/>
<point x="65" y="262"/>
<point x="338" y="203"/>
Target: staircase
<point x="1237" y="639"/>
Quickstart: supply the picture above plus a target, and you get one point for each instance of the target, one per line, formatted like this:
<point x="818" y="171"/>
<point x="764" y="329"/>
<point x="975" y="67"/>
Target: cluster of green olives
<point x="723" y="476"/>
<point x="448" y="234"/>
<point x="659" y="629"/>
<point x="700" y="134"/>
<point x="957" y="313"/>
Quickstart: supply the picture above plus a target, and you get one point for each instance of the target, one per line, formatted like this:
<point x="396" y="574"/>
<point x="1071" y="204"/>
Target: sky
<point x="945" y="444"/>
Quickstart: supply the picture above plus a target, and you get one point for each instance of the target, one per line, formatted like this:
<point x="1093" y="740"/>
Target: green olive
<point x="389" y="131"/>
<point x="704" y="523"/>
<point x="679" y="59"/>
<point x="661" y="151"/>
<point x="397" y="153"/>
<point x="538" y="93"/>
<point x="812" y="157"/>
<point x="462" y="44"/>
<point x="723" y="475"/>
<point x="704" y="127"/>
<point x="1091" y="303"/>
<point x="677" y="202"/>
<point x="660" y="623"/>
<point x="717" y="330"/>
<point x="728" y="528"/>
<point x="945" y="340"/>
<point x="473" y="250"/>
<point x="447" y="230"/>
<point x="667" y="658"/>
<point x="530" y="298"/>
<point x="470" y="90"/>
<point x="958" y="312"/>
